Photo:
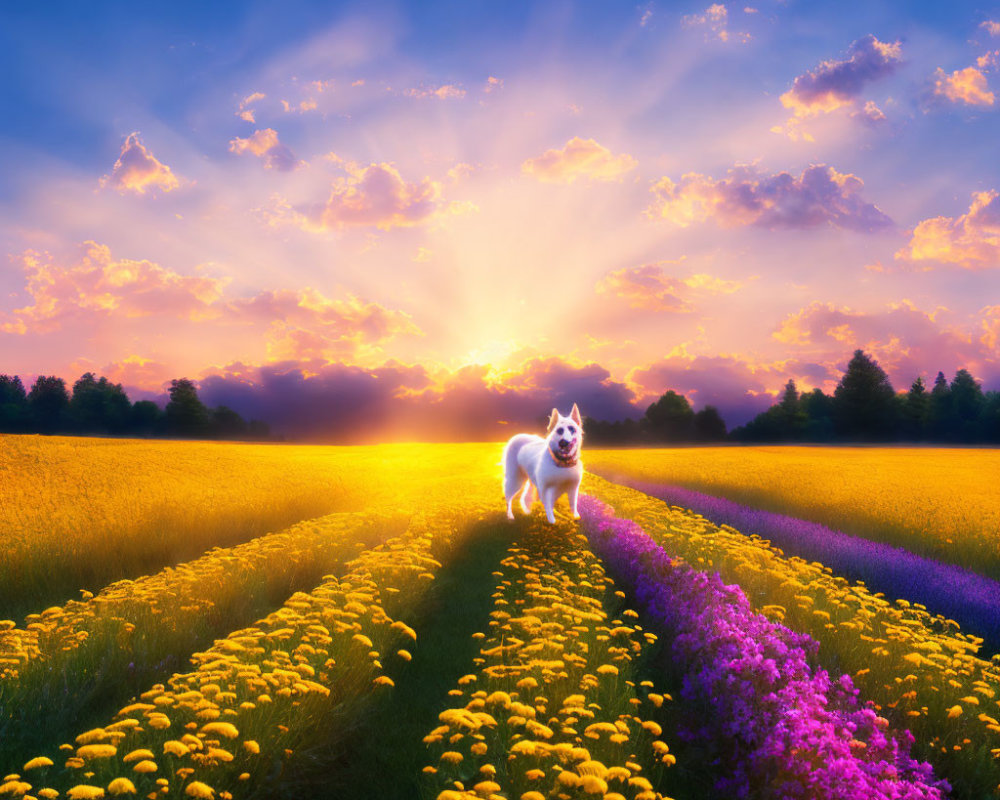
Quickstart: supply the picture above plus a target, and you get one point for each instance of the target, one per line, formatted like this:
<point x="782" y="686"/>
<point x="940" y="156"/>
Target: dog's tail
<point x="513" y="476"/>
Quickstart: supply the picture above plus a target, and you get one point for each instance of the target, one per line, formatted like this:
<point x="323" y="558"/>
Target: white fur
<point x="529" y="465"/>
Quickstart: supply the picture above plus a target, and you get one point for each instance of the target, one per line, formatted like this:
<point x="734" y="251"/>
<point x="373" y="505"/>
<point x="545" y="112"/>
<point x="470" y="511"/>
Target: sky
<point x="426" y="217"/>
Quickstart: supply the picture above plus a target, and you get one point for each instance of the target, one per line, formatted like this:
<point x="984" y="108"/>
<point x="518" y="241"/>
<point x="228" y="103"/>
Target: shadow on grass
<point x="382" y="754"/>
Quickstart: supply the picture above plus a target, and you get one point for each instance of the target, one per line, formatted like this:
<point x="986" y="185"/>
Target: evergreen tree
<point x="966" y="405"/>
<point x="670" y="418"/>
<point x="14" y="416"/>
<point x="864" y="403"/>
<point x="185" y="414"/>
<point x="939" y="409"/>
<point x="709" y="425"/>
<point x="48" y="404"/>
<point x="915" y="411"/>
<point x="989" y="418"/>
<point x="99" y="406"/>
<point x="791" y="417"/>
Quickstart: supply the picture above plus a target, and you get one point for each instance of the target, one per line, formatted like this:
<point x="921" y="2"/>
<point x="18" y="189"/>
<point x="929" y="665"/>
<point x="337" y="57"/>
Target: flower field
<point x="364" y="621"/>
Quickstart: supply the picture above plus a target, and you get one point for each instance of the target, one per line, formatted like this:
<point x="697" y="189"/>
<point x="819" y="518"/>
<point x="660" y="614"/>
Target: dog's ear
<point x="552" y="421"/>
<point x="575" y="415"/>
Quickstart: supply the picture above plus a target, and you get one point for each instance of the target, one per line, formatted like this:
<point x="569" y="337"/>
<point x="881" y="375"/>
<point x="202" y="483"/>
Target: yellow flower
<point x="85" y="792"/>
<point x="251" y="746"/>
<point x="226" y="729"/>
<point x="452" y="757"/>
<point x="591" y="784"/>
<point x="145" y="767"/>
<point x="955" y="711"/>
<point x="35" y="763"/>
<point x="405" y="655"/>
<point x="607" y="669"/>
<point x="383" y="680"/>
<point x="121" y="786"/>
<point x="532" y="795"/>
<point x="175" y="748"/>
<point x="199" y="790"/>
<point x="141" y="753"/>
<point x="96" y="751"/>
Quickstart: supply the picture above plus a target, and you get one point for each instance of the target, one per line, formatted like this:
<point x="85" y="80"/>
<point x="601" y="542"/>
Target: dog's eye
<point x="559" y="431"/>
<point x="572" y="429"/>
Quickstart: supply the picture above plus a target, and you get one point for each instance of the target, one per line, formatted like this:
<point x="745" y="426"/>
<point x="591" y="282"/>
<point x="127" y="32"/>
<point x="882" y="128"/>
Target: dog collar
<point x="564" y="462"/>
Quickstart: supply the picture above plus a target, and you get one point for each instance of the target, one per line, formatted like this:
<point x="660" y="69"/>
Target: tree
<point x="99" y="406"/>
<point x="670" y="418"/>
<point x="145" y="418"/>
<point x="915" y="411"/>
<point x="791" y="417"/>
<point x="939" y="410"/>
<point x="709" y="425"/>
<point x="13" y="405"/>
<point x="818" y="408"/>
<point x="227" y="424"/>
<point x="864" y="403"/>
<point x="185" y="414"/>
<point x="48" y="403"/>
<point x="966" y="405"/>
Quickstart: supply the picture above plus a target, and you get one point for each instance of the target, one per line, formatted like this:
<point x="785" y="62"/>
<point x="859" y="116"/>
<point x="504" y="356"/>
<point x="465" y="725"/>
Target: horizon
<point x="491" y="212"/>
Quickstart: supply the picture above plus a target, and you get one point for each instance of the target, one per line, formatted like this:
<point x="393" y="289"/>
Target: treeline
<point x="863" y="408"/>
<point x="96" y="406"/>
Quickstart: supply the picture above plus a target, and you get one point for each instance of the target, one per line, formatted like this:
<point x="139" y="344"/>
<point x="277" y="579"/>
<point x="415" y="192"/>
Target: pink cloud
<point x="245" y="112"/>
<point x="445" y="92"/>
<point x="905" y="340"/>
<point x="648" y="287"/>
<point x="970" y="240"/>
<point x="137" y="170"/>
<point x="966" y="86"/>
<point x="97" y="284"/>
<point x="579" y="158"/>
<point x="265" y="144"/>
<point x="819" y="196"/>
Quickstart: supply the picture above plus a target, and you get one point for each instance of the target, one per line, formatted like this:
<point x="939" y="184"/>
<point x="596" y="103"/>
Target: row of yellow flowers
<point x="130" y="627"/>
<point x="553" y="710"/>
<point x="918" y="668"/>
<point x="257" y="695"/>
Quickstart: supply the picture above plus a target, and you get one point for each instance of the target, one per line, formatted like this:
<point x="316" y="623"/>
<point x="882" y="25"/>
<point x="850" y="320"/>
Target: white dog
<point x="547" y="467"/>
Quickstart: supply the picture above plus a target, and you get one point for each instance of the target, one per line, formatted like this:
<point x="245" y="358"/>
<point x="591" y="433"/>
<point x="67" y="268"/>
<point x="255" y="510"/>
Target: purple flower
<point x="970" y="599"/>
<point x="775" y="727"/>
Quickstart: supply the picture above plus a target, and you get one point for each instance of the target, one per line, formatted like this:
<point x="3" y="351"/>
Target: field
<point x="208" y="620"/>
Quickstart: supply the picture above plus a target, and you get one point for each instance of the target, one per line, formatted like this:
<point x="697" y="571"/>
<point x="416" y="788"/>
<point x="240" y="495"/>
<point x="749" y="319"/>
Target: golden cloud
<point x="266" y="145"/>
<point x="579" y="158"/>
<point x="970" y="240"/>
<point x="963" y="86"/>
<point x="137" y="170"/>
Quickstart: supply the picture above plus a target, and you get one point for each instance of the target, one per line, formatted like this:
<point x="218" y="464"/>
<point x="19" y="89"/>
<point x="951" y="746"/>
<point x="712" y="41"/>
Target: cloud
<point x="650" y="288"/>
<point x="579" y="158"/>
<point x="98" y="284"/>
<point x="963" y="86"/>
<point x="492" y="84"/>
<point x="837" y="85"/>
<point x="137" y="170"/>
<point x="265" y="144"/>
<point x="820" y="196"/>
<point x="137" y="373"/>
<point x="340" y="402"/>
<point x="716" y="19"/>
<point x="303" y="106"/>
<point x="970" y="240"/>
<point x="989" y="60"/>
<point x="905" y="340"/>
<point x="445" y="92"/>
<point x="246" y="113"/>
<point x="991" y="27"/>
<point x="739" y="388"/>
<point x="306" y="326"/>
<point x="375" y="196"/>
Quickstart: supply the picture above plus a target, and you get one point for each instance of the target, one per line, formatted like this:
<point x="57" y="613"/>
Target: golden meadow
<point x="258" y="628"/>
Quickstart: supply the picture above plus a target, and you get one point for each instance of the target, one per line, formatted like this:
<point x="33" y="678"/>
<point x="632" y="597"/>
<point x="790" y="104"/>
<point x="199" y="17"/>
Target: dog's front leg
<point x="549" y="501"/>
<point x="571" y="496"/>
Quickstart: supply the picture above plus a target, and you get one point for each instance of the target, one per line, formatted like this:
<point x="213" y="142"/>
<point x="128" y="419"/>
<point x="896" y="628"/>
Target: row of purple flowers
<point x="770" y="724"/>
<point x="972" y="600"/>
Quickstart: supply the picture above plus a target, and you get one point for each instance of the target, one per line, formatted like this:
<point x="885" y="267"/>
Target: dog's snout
<point x="563" y="443"/>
